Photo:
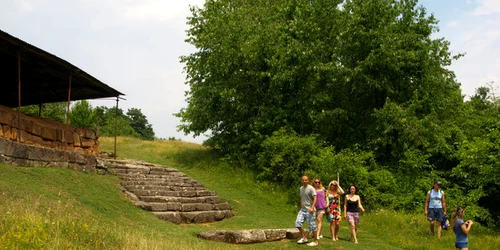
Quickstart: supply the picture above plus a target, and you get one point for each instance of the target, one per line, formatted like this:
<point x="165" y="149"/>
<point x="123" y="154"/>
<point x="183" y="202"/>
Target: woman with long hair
<point x="460" y="228"/>
<point x="352" y="206"/>
<point x="334" y="215"/>
<point x="320" y="204"/>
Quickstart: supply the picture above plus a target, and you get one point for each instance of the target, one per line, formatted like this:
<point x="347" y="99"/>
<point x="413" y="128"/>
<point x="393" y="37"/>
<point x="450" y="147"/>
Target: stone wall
<point x="47" y="133"/>
<point x="19" y="154"/>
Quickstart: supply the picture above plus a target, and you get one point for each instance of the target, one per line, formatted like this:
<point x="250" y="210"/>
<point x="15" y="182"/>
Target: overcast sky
<point x="134" y="45"/>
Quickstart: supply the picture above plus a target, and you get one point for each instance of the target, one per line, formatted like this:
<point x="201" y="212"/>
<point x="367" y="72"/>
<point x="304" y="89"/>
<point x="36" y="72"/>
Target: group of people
<point x="317" y="202"/>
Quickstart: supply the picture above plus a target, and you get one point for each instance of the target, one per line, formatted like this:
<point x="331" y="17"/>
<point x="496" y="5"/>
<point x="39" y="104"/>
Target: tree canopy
<point x="359" y="87"/>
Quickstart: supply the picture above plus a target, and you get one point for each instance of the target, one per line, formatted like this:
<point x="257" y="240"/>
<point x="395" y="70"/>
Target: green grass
<point x="43" y="208"/>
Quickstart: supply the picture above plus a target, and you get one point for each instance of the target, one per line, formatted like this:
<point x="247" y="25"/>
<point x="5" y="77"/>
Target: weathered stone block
<point x="26" y="125"/>
<point x="49" y="133"/>
<point x="218" y="235"/>
<point x="36" y="129"/>
<point x="246" y="236"/>
<point x="294" y="233"/>
<point x="87" y="143"/>
<point x="61" y="135"/>
<point x="7" y="116"/>
<point x="275" y="234"/>
<point x="25" y="137"/>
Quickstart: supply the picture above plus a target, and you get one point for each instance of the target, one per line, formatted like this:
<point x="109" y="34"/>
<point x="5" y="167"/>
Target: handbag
<point x="445" y="223"/>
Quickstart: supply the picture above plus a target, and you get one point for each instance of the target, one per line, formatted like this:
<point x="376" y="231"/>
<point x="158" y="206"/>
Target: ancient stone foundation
<point x="38" y="131"/>
<point x="19" y="154"/>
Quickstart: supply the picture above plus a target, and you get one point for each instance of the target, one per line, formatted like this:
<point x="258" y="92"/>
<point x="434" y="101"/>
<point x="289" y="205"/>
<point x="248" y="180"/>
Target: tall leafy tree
<point x="82" y="115"/>
<point x="139" y="123"/>
<point x="317" y="67"/>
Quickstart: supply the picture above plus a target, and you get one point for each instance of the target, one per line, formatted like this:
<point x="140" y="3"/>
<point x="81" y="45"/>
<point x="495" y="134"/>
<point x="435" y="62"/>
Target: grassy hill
<point x="44" y="208"/>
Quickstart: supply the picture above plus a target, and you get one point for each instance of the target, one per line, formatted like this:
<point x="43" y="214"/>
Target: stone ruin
<point x="47" y="133"/>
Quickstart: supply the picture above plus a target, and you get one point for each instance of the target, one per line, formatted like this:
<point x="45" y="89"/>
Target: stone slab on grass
<point x="250" y="236"/>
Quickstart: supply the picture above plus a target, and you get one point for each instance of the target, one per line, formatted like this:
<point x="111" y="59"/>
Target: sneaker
<point x="301" y="241"/>
<point x="319" y="237"/>
<point x="312" y="244"/>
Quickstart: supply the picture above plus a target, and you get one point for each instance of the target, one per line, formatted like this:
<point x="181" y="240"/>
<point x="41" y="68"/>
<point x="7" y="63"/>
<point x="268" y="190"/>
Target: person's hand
<point x="362" y="210"/>
<point x="470" y="222"/>
<point x="311" y="211"/>
<point x="426" y="213"/>
<point x="444" y="212"/>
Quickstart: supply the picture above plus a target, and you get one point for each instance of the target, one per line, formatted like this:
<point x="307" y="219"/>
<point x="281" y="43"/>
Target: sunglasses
<point x="317" y="182"/>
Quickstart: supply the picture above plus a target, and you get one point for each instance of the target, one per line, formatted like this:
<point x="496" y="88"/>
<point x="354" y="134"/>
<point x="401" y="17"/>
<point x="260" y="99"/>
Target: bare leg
<point x="332" y="229"/>
<point x="432" y="227"/>
<point x="301" y="230"/>
<point x="337" y="226"/>
<point x="319" y="219"/>
<point x="439" y="231"/>
<point x="316" y="237"/>
<point x="353" y="233"/>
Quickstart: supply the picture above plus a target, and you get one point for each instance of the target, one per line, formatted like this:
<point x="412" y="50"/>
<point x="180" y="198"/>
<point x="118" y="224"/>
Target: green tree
<point x="82" y="115"/>
<point x="317" y="67"/>
<point x="55" y="111"/>
<point x="140" y="124"/>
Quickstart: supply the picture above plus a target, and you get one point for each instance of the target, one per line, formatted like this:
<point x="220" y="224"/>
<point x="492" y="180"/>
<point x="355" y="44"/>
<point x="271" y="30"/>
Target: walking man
<point x="307" y="211"/>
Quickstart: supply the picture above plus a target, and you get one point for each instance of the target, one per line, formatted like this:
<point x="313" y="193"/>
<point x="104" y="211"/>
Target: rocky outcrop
<point x="250" y="236"/>
<point x="168" y="193"/>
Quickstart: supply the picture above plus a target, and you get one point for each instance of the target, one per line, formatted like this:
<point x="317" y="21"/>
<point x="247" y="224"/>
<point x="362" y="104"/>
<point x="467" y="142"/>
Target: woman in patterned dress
<point x="334" y="216"/>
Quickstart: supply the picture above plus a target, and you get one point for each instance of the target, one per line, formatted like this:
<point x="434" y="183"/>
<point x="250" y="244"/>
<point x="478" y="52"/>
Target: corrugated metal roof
<point x="44" y="77"/>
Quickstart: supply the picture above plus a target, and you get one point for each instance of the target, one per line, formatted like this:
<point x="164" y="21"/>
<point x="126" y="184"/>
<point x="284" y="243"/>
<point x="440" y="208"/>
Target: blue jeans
<point x="461" y="245"/>
<point x="435" y="214"/>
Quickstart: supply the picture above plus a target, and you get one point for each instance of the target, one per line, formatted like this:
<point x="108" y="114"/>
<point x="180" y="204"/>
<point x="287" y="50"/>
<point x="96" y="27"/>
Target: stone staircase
<point x="168" y="193"/>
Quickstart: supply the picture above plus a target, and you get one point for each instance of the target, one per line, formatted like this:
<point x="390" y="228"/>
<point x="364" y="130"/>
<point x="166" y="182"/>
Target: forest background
<point x="358" y="88"/>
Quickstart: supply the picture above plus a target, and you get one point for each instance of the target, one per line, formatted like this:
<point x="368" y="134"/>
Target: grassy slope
<point x="60" y="209"/>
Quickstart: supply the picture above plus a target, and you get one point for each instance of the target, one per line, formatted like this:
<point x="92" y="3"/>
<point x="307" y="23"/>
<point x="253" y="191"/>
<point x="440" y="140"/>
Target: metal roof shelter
<point x="29" y="75"/>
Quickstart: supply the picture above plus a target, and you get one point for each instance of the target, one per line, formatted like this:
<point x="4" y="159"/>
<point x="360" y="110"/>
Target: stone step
<point x="205" y="199"/>
<point x="174" y="193"/>
<point x="133" y="188"/>
<point x="164" y="172"/>
<point x="194" y="217"/>
<point x="182" y="207"/>
<point x="129" y="171"/>
<point x="155" y="178"/>
<point x="162" y="183"/>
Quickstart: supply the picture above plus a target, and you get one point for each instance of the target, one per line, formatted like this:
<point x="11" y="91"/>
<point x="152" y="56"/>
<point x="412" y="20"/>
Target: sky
<point x="134" y="46"/>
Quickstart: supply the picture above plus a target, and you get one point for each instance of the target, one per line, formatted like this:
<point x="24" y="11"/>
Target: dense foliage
<point x="355" y="87"/>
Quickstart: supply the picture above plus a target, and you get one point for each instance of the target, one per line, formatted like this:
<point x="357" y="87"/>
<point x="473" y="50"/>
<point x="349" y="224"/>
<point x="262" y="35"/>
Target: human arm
<point x="345" y="207"/>
<point x="325" y="195"/>
<point x="466" y="226"/>
<point x="340" y="190"/>
<point x="359" y="204"/>
<point x="315" y="199"/>
<point x="427" y="203"/>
